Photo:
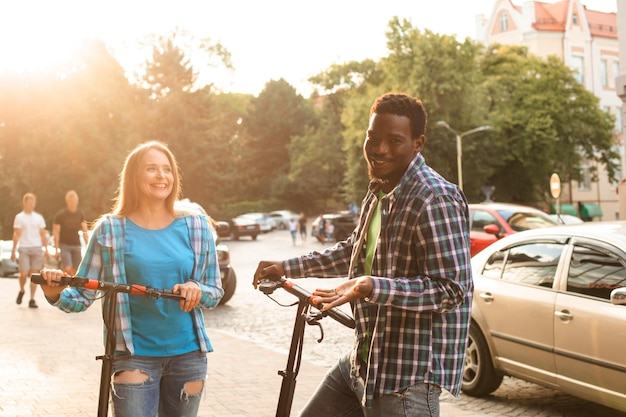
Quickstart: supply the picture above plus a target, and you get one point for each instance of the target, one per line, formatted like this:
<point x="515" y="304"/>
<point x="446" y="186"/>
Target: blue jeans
<point x="339" y="395"/>
<point x="163" y="390"/>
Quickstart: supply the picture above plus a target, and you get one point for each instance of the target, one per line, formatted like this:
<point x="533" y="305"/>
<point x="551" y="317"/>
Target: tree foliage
<point x="71" y="127"/>
<point x="271" y="120"/>
<point x="544" y="122"/>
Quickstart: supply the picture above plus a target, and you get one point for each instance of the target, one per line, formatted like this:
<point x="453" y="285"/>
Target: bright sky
<point x="268" y="39"/>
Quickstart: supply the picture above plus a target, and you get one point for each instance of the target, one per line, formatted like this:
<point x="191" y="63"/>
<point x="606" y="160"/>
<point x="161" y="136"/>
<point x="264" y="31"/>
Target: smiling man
<point x="409" y="278"/>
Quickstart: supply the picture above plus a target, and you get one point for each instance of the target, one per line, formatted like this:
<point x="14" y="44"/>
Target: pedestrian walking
<point x="30" y="243"/>
<point x="409" y="278"/>
<point x="68" y="227"/>
<point x="293" y="229"/>
<point x="302" y="226"/>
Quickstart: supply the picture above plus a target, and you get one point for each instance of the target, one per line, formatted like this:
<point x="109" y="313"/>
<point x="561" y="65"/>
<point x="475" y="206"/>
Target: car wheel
<point x="230" y="283"/>
<point x="253" y="237"/>
<point x="479" y="376"/>
<point x="234" y="236"/>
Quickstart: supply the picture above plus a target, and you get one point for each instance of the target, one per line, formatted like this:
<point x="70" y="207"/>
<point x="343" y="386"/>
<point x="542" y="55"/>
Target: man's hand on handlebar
<point x="347" y="291"/>
<point x="268" y="270"/>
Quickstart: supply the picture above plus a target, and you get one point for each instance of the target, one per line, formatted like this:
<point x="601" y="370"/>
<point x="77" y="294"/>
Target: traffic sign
<point x="555" y="185"/>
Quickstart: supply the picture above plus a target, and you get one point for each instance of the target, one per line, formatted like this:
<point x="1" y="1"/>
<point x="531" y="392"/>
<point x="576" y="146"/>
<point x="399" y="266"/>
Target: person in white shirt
<point x="29" y="231"/>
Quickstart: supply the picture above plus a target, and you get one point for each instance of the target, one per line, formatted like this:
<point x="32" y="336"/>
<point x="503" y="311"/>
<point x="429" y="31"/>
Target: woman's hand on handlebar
<point x="53" y="288"/>
<point x="268" y="270"/>
<point x="347" y="291"/>
<point x="192" y="292"/>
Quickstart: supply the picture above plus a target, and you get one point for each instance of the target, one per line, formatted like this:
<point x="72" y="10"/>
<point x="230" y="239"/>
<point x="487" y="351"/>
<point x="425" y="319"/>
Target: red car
<point x="492" y="221"/>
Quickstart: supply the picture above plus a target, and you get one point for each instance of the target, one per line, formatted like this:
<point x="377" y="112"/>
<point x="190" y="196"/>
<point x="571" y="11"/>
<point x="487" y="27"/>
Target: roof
<point x="553" y="17"/>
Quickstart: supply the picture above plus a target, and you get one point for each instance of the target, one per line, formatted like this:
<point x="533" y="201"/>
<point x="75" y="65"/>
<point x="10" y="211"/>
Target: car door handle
<point x="564" y="315"/>
<point x="487" y="297"/>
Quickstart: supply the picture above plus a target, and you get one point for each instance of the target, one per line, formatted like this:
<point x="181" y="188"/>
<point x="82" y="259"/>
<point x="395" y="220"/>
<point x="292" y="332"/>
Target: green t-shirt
<point x="372" y="237"/>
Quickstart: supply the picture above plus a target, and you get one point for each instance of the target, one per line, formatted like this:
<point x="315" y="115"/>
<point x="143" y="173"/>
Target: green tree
<point x="184" y="115"/>
<point x="65" y="129"/>
<point x="441" y="71"/>
<point x="544" y="122"/>
<point x="319" y="150"/>
<point x="272" y="119"/>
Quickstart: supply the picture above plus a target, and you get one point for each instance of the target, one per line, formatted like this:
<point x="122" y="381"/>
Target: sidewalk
<point x="48" y="366"/>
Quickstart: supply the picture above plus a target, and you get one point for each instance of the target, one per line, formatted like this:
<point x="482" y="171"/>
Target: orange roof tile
<point x="553" y="16"/>
<point x="601" y="23"/>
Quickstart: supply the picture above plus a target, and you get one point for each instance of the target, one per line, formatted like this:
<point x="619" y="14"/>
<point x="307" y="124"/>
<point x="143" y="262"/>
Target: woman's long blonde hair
<point x="127" y="198"/>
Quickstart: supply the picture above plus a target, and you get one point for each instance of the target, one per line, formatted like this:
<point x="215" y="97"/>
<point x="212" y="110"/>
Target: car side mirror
<point x="618" y="296"/>
<point x="493" y="229"/>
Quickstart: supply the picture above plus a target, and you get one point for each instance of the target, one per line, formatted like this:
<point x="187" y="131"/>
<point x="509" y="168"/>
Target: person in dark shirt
<point x="66" y="228"/>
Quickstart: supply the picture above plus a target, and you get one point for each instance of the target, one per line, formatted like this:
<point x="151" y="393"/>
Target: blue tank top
<point x="159" y="259"/>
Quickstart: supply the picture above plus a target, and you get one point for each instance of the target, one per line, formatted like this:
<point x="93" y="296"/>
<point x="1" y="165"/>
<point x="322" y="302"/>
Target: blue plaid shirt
<point x="418" y="313"/>
<point x="104" y="261"/>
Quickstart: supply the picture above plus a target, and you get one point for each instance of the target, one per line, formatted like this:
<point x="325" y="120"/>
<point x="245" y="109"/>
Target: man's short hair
<point x="403" y="105"/>
<point x="28" y="196"/>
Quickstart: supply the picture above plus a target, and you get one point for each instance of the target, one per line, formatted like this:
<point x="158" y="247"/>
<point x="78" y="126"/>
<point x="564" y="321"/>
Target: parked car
<point x="282" y="217"/>
<point x="492" y="221"/>
<point x="244" y="226"/>
<point x="550" y="308"/>
<point x="344" y="223"/>
<point x="7" y="266"/>
<point x="265" y="221"/>
<point x="229" y="278"/>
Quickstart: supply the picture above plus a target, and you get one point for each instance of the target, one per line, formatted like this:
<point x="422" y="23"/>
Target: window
<point x="585" y="171"/>
<point x="504" y="22"/>
<point x="575" y="18"/>
<point x="578" y="65"/>
<point x="494" y="266"/>
<point x="604" y="72"/>
<point x="480" y="219"/>
<point x="595" y="272"/>
<point x="532" y="264"/>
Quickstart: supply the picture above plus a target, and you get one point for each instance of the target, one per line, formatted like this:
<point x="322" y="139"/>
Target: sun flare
<point x="35" y="43"/>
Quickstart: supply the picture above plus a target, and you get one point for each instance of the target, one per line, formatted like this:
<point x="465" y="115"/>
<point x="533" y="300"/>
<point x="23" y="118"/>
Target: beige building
<point x="586" y="41"/>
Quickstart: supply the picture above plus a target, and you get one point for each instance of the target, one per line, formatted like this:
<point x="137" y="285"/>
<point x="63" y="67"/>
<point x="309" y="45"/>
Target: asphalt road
<point x="252" y="315"/>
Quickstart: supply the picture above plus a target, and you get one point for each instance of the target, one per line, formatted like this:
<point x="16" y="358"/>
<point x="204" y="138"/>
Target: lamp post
<point x="459" y="152"/>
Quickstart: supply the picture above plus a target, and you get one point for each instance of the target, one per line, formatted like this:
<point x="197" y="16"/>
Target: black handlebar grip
<point x="338" y="315"/>
<point x="38" y="279"/>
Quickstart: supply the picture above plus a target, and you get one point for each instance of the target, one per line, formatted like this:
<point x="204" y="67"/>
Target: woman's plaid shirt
<point x="418" y="313"/>
<point x="104" y="260"/>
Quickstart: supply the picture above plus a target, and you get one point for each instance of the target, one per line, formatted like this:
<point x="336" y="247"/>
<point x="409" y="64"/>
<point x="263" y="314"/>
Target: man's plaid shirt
<point x="418" y="313"/>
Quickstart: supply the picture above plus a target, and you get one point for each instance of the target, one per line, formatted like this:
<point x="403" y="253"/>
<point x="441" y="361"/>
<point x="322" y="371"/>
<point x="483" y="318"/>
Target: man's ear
<point x="418" y="144"/>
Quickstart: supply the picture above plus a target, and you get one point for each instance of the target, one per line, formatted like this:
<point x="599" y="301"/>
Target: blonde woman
<point x="162" y="345"/>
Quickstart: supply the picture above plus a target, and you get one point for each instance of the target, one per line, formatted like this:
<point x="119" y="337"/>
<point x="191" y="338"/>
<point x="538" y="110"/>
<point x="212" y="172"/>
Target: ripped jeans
<point x="163" y="390"/>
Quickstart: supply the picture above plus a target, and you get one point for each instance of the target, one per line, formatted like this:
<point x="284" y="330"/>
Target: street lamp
<point x="459" y="151"/>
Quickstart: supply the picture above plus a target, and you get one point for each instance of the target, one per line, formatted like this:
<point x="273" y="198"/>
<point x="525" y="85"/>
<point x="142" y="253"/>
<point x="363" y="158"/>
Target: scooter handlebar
<point x="92" y="284"/>
<point x="303" y="294"/>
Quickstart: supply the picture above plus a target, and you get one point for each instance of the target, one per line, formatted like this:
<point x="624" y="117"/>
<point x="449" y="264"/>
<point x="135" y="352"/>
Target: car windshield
<point x="525" y="220"/>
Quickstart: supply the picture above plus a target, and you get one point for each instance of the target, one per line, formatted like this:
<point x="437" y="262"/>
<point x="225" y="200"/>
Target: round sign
<point x="555" y="185"/>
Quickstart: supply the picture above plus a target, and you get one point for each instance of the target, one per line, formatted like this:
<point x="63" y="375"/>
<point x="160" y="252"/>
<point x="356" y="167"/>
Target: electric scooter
<point x="304" y="315"/>
<point x="110" y="291"/>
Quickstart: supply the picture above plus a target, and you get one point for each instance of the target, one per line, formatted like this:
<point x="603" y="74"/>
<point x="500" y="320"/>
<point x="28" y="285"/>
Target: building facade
<point x="586" y="41"/>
